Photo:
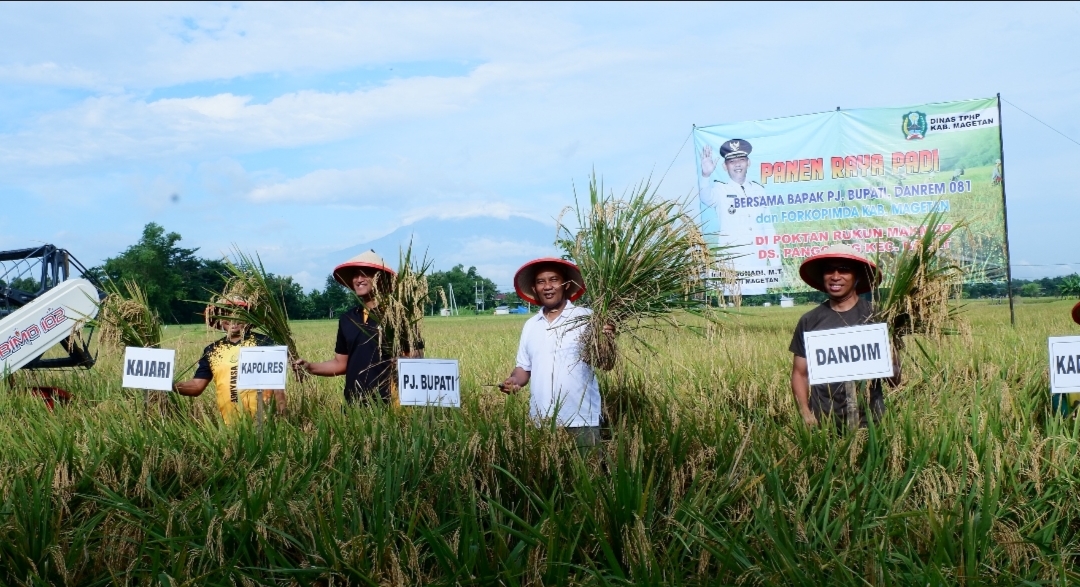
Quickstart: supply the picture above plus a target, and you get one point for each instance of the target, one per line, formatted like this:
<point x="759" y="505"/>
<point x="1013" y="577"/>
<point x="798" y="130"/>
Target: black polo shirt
<point x="368" y="374"/>
<point x="829" y="398"/>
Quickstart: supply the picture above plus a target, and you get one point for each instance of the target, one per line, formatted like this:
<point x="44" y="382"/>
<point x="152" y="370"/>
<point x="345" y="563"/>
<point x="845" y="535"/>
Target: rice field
<point x="706" y="477"/>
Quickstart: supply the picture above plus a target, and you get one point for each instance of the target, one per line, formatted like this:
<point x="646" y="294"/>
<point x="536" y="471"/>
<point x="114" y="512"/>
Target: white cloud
<point x="354" y="186"/>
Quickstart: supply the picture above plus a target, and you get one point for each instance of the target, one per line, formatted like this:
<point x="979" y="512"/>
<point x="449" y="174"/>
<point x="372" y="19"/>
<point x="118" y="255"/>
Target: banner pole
<point x="1005" y="217"/>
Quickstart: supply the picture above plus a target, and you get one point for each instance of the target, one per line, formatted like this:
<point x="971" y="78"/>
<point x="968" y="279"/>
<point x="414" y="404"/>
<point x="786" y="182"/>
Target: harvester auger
<point x="41" y="306"/>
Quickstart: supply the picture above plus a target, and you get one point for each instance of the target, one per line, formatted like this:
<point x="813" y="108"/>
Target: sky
<point x="296" y="130"/>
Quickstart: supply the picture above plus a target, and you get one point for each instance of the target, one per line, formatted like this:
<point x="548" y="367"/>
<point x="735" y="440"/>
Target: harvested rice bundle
<point x="264" y="309"/>
<point x="919" y="283"/>
<point x="400" y="308"/>
<point x="126" y="319"/>
<point x="641" y="259"/>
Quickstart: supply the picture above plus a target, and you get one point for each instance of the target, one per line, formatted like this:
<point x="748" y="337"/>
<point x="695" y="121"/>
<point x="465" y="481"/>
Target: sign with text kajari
<point x="149" y="368"/>
<point x="262" y="367"/>
<point x="429" y="382"/>
<point x="1064" y="364"/>
<point x="778" y="191"/>
<point x="853" y="353"/>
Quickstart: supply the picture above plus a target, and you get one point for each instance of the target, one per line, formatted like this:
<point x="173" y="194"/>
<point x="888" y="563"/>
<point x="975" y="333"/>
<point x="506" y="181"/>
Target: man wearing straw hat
<point x="563" y="387"/>
<point x="219" y="361"/>
<point x="358" y="354"/>
<point x="842" y="273"/>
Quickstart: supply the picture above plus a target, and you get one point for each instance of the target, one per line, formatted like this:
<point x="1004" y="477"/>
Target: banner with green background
<point x="777" y="191"/>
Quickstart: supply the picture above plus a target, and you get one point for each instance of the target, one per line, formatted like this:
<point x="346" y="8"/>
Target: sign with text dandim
<point x="1065" y="364"/>
<point x="778" y="191"/>
<point x="149" y="368"/>
<point x="429" y="382"/>
<point x="853" y="353"/>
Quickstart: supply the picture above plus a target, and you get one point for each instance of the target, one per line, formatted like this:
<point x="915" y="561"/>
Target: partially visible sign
<point x="429" y="382"/>
<point x="262" y="367"/>
<point x="1064" y="364"/>
<point x="149" y="368"/>
<point x="848" y="354"/>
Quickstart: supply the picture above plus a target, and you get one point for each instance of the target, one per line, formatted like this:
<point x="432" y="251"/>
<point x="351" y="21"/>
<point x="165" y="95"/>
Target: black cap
<point x="735" y="148"/>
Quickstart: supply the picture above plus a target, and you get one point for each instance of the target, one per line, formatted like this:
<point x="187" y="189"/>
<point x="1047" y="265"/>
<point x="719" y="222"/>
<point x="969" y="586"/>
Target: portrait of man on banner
<point x="733" y="199"/>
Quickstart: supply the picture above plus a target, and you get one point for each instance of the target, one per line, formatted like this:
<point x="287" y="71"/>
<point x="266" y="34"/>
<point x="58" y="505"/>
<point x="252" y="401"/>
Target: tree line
<point x="177" y="281"/>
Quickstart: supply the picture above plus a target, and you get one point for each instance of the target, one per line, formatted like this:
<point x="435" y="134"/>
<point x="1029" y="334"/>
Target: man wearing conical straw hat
<point x="358" y="354"/>
<point x="563" y="387"/>
<point x="218" y="364"/>
<point x="842" y="273"/>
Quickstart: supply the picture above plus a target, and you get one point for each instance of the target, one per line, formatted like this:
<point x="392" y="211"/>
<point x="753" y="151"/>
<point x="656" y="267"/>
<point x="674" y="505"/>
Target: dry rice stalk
<point x="126" y="319"/>
<point x="400" y="308"/>
<point x="641" y="258"/>
<point x="919" y="283"/>
<point x="249" y="281"/>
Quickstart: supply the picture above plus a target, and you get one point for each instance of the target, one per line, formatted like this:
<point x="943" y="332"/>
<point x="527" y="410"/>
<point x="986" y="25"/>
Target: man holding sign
<point x="842" y="273"/>
<point x="1067" y="403"/>
<point x="358" y="353"/>
<point x="219" y="362"/>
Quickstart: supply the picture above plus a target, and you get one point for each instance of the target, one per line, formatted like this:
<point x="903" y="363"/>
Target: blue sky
<point x="295" y="130"/>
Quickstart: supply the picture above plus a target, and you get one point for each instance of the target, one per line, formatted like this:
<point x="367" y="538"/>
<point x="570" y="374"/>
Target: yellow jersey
<point x="218" y="364"/>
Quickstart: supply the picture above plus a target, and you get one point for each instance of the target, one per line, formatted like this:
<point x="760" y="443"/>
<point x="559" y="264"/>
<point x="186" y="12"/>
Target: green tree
<point x="170" y="275"/>
<point x="465" y="284"/>
<point x="1031" y="290"/>
<point x="332" y="301"/>
<point x="1069" y="287"/>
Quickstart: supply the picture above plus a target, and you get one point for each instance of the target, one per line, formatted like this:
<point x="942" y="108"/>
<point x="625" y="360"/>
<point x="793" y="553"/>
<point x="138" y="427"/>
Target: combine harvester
<point x="41" y="307"/>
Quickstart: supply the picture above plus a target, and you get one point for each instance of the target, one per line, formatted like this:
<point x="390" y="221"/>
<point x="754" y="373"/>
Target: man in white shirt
<point x="736" y="205"/>
<point x="549" y="355"/>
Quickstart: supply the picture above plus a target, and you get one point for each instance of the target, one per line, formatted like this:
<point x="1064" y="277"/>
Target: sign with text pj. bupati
<point x="853" y="353"/>
<point x="1064" y="364"/>
<point x="778" y="191"/>
<point x="429" y="382"/>
<point x="149" y="368"/>
<point x="262" y="367"/>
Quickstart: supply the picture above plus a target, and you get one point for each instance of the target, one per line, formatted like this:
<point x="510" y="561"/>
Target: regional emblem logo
<point x="914" y="125"/>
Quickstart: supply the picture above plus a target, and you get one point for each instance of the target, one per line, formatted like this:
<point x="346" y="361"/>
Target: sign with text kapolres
<point x="149" y="368"/>
<point x="262" y="367"/>
<point x="780" y="190"/>
<point x="429" y="382"/>
<point x="1065" y="364"/>
<point x="853" y="353"/>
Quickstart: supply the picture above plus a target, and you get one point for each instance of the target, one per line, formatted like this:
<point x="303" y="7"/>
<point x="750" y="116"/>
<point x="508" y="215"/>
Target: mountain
<point x="495" y="246"/>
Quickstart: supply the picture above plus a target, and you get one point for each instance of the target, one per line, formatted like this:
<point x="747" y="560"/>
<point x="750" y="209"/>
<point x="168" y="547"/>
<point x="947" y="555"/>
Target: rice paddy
<point x="706" y="477"/>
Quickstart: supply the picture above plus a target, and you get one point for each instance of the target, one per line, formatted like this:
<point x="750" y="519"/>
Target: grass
<point x="709" y="477"/>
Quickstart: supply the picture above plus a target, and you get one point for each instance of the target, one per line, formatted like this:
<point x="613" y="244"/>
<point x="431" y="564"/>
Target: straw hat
<point x="1076" y="313"/>
<point x="526" y="277"/>
<point x="213" y="314"/>
<point x="812" y="269"/>
<point x="369" y="260"/>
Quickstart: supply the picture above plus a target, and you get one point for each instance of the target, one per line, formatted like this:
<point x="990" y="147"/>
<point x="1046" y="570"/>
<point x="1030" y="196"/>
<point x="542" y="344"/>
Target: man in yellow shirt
<point x="219" y="362"/>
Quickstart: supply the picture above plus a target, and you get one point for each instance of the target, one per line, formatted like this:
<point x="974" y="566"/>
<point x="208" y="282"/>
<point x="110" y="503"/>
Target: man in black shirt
<point x="359" y="353"/>
<point x="842" y="273"/>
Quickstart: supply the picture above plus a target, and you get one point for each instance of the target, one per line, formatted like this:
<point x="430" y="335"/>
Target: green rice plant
<point x="707" y="476"/>
<point x="642" y="258"/>
<point x="125" y="318"/>
<point x="248" y="280"/>
<point x="919" y="283"/>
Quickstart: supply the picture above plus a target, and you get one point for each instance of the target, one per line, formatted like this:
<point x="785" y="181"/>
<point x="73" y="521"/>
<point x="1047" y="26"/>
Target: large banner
<point x="778" y="191"/>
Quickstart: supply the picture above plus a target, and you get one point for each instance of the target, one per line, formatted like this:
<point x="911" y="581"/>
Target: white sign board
<point x="149" y="368"/>
<point x="429" y="382"/>
<point x="1064" y="364"/>
<point x="848" y="354"/>
<point x="262" y="367"/>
